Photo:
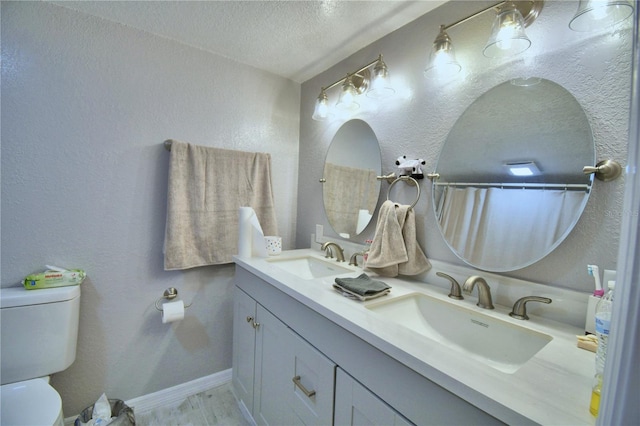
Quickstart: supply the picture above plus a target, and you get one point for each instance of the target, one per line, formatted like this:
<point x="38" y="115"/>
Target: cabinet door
<point x="272" y="371"/>
<point x="244" y="316"/>
<point x="311" y="383"/>
<point x="357" y="405"/>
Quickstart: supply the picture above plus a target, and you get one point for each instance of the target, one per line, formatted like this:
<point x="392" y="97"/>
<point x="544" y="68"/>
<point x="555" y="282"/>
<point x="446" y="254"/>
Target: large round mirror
<point x="510" y="184"/>
<point x="350" y="192"/>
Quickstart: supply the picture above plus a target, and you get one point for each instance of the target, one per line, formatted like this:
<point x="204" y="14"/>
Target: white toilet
<point x="39" y="333"/>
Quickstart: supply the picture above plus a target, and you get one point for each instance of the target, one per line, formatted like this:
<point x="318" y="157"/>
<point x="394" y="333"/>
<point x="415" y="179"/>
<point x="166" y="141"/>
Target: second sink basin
<point x="498" y="344"/>
<point x="310" y="267"/>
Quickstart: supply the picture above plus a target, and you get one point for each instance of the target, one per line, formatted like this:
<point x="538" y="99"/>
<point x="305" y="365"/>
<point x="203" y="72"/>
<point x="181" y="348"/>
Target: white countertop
<point x="552" y="388"/>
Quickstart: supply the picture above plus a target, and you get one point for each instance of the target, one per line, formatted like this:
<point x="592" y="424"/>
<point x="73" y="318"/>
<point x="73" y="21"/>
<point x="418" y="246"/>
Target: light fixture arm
<point x="480" y="12"/>
<point x="334" y="84"/>
<point x="528" y="9"/>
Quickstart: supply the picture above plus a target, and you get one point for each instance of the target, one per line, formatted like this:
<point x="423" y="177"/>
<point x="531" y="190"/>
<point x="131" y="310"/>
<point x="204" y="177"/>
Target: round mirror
<point x="350" y="192"/>
<point x="510" y="184"/>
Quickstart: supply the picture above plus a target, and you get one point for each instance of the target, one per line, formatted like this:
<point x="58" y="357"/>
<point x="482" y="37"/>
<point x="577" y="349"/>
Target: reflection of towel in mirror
<point x="348" y="194"/>
<point x="395" y="250"/>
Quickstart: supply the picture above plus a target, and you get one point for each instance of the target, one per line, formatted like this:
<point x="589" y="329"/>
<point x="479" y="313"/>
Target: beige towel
<point x="395" y="250"/>
<point x="206" y="188"/>
<point x="343" y="202"/>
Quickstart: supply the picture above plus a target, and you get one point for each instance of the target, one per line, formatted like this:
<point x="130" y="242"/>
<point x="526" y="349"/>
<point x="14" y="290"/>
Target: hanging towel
<point x="395" y="249"/>
<point x="206" y="188"/>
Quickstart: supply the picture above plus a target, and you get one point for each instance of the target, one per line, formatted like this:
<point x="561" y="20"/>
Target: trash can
<point x="122" y="412"/>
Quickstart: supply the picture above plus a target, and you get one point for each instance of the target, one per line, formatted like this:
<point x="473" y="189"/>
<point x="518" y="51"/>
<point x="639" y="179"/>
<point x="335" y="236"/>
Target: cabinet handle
<point x="252" y="322"/>
<point x="308" y="393"/>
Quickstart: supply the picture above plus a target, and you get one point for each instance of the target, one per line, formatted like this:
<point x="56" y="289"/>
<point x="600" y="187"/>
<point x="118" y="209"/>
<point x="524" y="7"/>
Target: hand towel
<point x="206" y="188"/>
<point x="362" y="285"/>
<point x="395" y="249"/>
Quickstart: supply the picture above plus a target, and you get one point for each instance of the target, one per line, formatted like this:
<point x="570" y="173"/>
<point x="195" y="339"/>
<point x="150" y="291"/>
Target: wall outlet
<point x="319" y="232"/>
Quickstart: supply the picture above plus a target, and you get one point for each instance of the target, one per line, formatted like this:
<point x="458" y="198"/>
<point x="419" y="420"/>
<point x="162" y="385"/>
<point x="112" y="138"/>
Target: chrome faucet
<point x="339" y="252"/>
<point x="484" y="291"/>
<point x="519" y="310"/>
<point x="454" y="293"/>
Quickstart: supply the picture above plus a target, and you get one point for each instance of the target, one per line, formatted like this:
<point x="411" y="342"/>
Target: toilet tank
<point x="39" y="331"/>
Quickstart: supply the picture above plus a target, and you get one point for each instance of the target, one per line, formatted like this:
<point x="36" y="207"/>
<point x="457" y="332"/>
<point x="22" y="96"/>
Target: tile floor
<point x="215" y="406"/>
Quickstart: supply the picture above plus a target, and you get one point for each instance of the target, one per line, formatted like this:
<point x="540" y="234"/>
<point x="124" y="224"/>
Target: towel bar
<point x="406" y="178"/>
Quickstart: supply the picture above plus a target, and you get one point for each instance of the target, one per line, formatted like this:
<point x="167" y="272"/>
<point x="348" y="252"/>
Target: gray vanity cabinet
<point x="376" y="389"/>
<point x="357" y="405"/>
<point x="278" y="377"/>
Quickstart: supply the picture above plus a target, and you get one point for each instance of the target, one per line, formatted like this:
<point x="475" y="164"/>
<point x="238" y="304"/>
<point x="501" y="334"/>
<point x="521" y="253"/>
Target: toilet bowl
<point x="39" y="333"/>
<point x="31" y="402"/>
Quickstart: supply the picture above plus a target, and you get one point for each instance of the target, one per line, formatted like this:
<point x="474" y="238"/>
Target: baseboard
<point x="173" y="395"/>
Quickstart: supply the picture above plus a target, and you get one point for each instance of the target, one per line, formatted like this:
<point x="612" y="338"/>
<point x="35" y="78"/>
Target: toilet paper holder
<point x="169" y="294"/>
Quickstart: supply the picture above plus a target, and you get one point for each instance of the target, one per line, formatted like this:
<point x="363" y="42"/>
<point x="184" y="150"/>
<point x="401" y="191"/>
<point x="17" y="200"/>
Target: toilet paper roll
<point x="172" y="311"/>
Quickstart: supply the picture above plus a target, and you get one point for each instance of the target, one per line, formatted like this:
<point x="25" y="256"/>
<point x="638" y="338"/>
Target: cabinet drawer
<point x="311" y="383"/>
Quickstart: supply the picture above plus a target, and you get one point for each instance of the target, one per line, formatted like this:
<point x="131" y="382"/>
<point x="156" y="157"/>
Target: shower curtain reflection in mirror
<point x="472" y="222"/>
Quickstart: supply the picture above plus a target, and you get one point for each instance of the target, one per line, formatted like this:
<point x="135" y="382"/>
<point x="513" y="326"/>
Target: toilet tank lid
<point x="19" y="296"/>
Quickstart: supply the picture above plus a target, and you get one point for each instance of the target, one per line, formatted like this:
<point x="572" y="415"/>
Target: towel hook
<point x="406" y="178"/>
<point x="169" y="294"/>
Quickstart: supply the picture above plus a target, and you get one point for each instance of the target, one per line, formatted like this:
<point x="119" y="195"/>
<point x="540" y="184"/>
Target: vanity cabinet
<point x="372" y="387"/>
<point x="278" y="377"/>
<point x="357" y="405"/>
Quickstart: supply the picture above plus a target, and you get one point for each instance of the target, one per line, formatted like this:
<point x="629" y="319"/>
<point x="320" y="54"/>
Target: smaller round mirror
<point x="350" y="189"/>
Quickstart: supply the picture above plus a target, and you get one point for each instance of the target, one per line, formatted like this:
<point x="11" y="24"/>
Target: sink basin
<point x="309" y="267"/>
<point x="499" y="344"/>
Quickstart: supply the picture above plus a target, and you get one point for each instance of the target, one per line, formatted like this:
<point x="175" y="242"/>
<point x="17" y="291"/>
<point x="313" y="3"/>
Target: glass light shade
<point x="598" y="14"/>
<point x="321" y="111"/>
<point x="380" y="86"/>
<point x="442" y="59"/>
<point x="507" y="34"/>
<point x="347" y="99"/>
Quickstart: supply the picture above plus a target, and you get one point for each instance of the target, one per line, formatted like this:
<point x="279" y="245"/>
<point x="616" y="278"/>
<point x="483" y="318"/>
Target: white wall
<point x="86" y="105"/>
<point x="595" y="68"/>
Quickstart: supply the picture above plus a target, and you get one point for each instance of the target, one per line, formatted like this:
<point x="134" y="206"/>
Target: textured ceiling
<point x="293" y="39"/>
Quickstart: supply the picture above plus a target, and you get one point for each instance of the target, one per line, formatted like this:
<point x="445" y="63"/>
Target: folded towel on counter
<point x="207" y="186"/>
<point x="395" y="249"/>
<point x="361" y="287"/>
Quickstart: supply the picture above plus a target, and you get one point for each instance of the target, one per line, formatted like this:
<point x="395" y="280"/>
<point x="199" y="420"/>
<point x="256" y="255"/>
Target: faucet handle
<point x="519" y="310"/>
<point x="455" y="292"/>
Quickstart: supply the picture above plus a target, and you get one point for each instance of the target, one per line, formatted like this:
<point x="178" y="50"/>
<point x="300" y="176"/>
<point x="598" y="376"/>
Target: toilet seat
<point x="31" y="402"/>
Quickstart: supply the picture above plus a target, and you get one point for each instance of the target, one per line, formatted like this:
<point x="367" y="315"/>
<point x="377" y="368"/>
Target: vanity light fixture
<point x="507" y="36"/>
<point x="598" y="14"/>
<point x="347" y="99"/>
<point x="442" y="59"/>
<point x="353" y="85"/>
<point x="321" y="111"/>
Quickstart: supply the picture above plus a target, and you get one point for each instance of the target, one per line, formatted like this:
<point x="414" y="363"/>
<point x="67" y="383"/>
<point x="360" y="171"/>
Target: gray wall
<point x="595" y="68"/>
<point x="86" y="105"/>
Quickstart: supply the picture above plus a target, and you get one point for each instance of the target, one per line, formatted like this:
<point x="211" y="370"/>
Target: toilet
<point x="39" y="334"/>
